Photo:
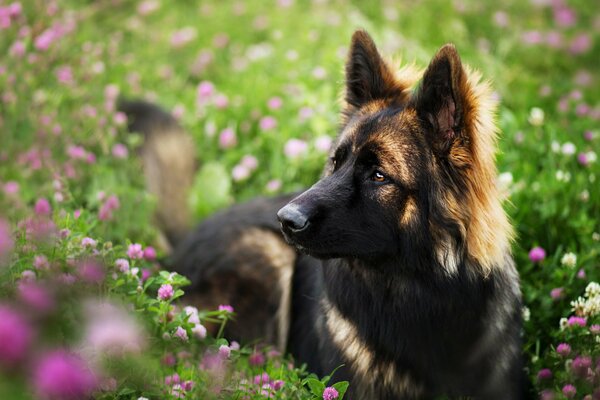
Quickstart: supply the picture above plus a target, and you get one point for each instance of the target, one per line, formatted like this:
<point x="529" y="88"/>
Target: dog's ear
<point x="368" y="76"/>
<point x="440" y="100"/>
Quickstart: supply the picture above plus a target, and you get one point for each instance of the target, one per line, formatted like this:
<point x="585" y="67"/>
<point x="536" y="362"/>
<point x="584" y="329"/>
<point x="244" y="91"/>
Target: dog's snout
<point x="293" y="218"/>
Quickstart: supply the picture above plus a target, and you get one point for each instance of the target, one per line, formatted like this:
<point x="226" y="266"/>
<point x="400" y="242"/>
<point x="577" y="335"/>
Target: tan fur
<point x="488" y="231"/>
<point x="279" y="257"/>
<point x="370" y="374"/>
<point x="169" y="165"/>
<point x="485" y="225"/>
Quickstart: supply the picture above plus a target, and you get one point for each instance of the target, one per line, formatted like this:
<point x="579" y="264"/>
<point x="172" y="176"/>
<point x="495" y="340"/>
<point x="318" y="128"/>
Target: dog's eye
<point x="378" y="177"/>
<point x="333" y="162"/>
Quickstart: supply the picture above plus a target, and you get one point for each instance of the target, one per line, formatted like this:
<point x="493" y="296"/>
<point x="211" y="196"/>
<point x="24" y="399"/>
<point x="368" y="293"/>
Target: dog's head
<point x="412" y="172"/>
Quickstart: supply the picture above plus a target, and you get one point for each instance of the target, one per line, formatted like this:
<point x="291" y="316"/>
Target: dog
<point x="397" y="263"/>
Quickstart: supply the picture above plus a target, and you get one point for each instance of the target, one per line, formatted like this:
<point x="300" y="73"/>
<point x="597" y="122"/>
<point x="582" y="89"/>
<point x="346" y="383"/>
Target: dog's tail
<point x="169" y="161"/>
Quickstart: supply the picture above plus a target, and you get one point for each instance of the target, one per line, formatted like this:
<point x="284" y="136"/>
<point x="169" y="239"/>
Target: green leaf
<point x="316" y="386"/>
<point x="341" y="387"/>
<point x="211" y="190"/>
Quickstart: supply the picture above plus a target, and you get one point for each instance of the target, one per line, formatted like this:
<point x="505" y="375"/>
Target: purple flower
<point x="15" y="336"/>
<point x="256" y="359"/>
<point x="323" y="144"/>
<point x="149" y="253"/>
<point x="172" y="379"/>
<point x="181" y="334"/>
<point x="42" y="207"/>
<point x="64" y="75"/>
<point x="110" y="329"/>
<point x="261" y="379"/>
<point x="588" y="136"/>
<point x="122" y="264"/>
<point x="12" y="187"/>
<point x="582" y="159"/>
<point x="273" y="185"/>
<point x="563" y="349"/>
<point x="119" y="150"/>
<point x="294" y="148"/>
<point x="275" y="103"/>
<point x="267" y="123"/>
<point x="62" y="375"/>
<point x="135" y="251"/>
<point x="240" y="172"/>
<point x="224" y="351"/>
<point x="330" y="393"/>
<point x="575" y="320"/>
<point x="199" y="331"/>
<point x="88" y="242"/>
<point x="204" y="91"/>
<point x="250" y="162"/>
<point x="564" y="16"/>
<point x="165" y="292"/>
<point x="532" y="37"/>
<point x="569" y="391"/>
<point x="225" y="307"/>
<point x="595" y="329"/>
<point x="580" y="44"/>
<point x="544" y="374"/>
<point x="146" y="273"/>
<point x="28" y="276"/>
<point x="183" y="36"/>
<point x="501" y="19"/>
<point x="537" y="254"/>
<point x="547" y="395"/>
<point x="581" y="365"/>
<point x="35" y="296"/>
<point x="221" y="101"/>
<point x="556" y="293"/>
<point x="91" y="272"/>
<point x="40" y="262"/>
<point x="227" y="138"/>
<point x="278" y="384"/>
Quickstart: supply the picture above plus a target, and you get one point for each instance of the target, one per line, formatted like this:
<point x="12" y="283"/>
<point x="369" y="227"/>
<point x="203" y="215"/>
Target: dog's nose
<point x="292" y="218"/>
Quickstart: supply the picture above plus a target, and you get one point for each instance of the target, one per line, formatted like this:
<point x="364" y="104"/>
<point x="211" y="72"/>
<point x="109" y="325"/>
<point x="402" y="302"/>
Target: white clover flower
<point x="592" y="307"/>
<point x="596" y="237"/>
<point x="592" y="290"/>
<point x="526" y="313"/>
<point x="505" y="179"/>
<point x="563" y="324"/>
<point x="591" y="157"/>
<point x="578" y="306"/>
<point x="555" y="146"/>
<point x="584" y="196"/>
<point x="536" y="116"/>
<point x="562" y="176"/>
<point x="569" y="260"/>
<point x="568" y="149"/>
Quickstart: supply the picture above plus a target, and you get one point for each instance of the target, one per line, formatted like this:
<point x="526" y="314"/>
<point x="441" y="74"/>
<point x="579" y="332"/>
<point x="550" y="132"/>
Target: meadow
<point x="85" y="309"/>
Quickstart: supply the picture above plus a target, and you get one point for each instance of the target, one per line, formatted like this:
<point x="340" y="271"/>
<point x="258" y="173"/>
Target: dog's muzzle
<point x="292" y="218"/>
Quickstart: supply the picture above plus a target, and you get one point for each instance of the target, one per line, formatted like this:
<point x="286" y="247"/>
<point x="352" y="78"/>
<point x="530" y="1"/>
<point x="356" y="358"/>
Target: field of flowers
<point x="84" y="306"/>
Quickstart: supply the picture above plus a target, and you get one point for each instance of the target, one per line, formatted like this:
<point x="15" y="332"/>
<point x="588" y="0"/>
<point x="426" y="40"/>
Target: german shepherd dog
<point x="397" y="263"/>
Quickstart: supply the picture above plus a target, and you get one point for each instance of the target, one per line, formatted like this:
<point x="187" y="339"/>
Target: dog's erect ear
<point x="440" y="99"/>
<point x="368" y="77"/>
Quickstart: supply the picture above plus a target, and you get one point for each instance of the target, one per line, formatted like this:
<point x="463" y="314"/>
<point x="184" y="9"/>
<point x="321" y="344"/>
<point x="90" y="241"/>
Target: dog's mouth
<point x="307" y="246"/>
